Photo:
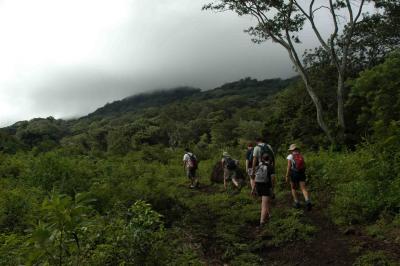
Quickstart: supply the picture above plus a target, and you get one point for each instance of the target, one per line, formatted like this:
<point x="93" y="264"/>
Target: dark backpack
<point x="192" y="163"/>
<point x="265" y="149"/>
<point x="298" y="163"/>
<point x="230" y="163"/>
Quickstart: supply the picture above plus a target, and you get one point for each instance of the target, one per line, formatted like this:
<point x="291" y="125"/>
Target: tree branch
<point x="315" y="10"/>
<point x="350" y="11"/>
<point x="359" y="11"/>
<point x="289" y="39"/>
<point x="333" y="37"/>
<point x="310" y="18"/>
<point x="263" y="20"/>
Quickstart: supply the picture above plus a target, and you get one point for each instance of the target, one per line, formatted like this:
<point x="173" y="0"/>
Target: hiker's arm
<point x="254" y="166"/>
<point x="247" y="165"/>
<point x="288" y="170"/>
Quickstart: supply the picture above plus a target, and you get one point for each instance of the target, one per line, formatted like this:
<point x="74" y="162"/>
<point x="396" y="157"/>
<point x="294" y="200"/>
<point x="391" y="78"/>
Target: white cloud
<point x="126" y="46"/>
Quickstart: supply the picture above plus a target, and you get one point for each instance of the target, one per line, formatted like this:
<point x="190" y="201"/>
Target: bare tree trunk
<point x="313" y="95"/>
<point x="340" y="107"/>
<point x="319" y="109"/>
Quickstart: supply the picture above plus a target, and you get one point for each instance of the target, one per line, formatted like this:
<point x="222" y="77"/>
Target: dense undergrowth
<point x="58" y="208"/>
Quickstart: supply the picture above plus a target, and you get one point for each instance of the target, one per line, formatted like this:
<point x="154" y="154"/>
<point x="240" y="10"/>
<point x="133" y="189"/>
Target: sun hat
<point x="225" y="154"/>
<point x="293" y="147"/>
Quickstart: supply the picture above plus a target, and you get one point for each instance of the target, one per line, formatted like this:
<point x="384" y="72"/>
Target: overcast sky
<point x="66" y="58"/>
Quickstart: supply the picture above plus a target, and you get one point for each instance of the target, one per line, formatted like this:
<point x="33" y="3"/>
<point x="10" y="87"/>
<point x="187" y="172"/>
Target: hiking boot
<point x="296" y="205"/>
<point x="308" y="205"/>
<point x="192" y="186"/>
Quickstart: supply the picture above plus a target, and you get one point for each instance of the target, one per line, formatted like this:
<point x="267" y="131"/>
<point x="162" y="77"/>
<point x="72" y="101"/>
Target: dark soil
<point x="328" y="247"/>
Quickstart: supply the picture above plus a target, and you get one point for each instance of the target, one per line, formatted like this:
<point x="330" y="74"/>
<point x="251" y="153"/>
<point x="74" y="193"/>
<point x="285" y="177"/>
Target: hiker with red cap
<point x="296" y="170"/>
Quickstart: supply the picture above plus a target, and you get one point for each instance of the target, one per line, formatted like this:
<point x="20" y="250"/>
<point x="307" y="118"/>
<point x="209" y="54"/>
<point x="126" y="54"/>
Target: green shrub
<point x="356" y="202"/>
<point x="138" y="241"/>
<point x="11" y="248"/>
<point x="289" y="226"/>
<point x="377" y="258"/>
<point x="17" y="207"/>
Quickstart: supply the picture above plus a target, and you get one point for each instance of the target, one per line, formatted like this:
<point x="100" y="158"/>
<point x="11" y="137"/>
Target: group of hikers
<point x="260" y="168"/>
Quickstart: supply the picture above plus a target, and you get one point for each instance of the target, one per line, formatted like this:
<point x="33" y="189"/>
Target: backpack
<point x="265" y="149"/>
<point x="230" y="163"/>
<point x="263" y="173"/>
<point x="192" y="162"/>
<point x="298" y="163"/>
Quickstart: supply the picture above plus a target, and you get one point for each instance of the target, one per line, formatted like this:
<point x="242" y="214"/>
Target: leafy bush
<point x="376" y="258"/>
<point x="289" y="226"/>
<point x="62" y="234"/>
<point x="17" y="207"/>
<point x="356" y="202"/>
<point x="139" y="241"/>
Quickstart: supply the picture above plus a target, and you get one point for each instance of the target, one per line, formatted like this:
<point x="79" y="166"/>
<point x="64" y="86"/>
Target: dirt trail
<point x="328" y="247"/>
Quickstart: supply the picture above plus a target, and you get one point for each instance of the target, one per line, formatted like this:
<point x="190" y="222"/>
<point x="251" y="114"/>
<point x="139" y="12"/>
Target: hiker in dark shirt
<point x="230" y="167"/>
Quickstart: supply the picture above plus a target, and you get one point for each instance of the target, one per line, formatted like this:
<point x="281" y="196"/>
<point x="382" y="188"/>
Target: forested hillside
<point x="109" y="188"/>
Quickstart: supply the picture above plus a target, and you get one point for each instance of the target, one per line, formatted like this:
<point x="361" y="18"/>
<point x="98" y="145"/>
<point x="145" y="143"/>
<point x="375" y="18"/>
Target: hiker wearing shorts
<point x="258" y="150"/>
<point x="230" y="166"/>
<point x="263" y="184"/>
<point x="190" y="166"/>
<point x="296" y="171"/>
<point x="249" y="165"/>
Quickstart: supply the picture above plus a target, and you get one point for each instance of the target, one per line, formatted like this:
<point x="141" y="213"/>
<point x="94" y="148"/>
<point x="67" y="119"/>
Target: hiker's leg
<point x="195" y="178"/>
<point x="304" y="190"/>
<point x="265" y="211"/>
<point x="232" y="176"/>
<point x="252" y="184"/>
<point x="294" y="193"/>
<point x="189" y="176"/>
<point x="226" y="176"/>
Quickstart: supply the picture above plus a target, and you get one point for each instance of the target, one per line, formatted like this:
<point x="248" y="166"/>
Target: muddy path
<point x="330" y="245"/>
